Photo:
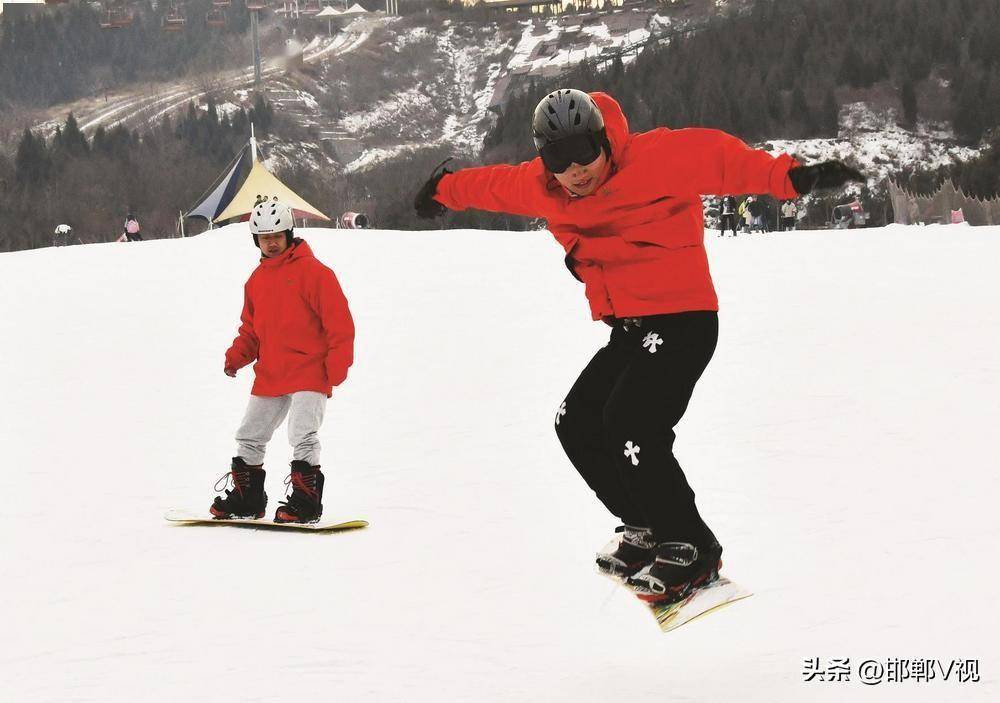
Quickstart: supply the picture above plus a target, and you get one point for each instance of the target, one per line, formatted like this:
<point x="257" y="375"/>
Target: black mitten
<point x="425" y="204"/>
<point x="828" y="174"/>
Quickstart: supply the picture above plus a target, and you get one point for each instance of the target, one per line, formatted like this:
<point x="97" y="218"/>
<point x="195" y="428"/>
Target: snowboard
<point x="187" y="518"/>
<point x="700" y="602"/>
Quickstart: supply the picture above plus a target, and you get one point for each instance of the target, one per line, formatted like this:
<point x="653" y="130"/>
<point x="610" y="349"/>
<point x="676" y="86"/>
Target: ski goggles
<point x="581" y="149"/>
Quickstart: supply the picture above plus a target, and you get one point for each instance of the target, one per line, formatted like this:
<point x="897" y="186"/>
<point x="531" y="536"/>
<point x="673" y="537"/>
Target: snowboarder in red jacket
<point x="298" y="328"/>
<point x="626" y="208"/>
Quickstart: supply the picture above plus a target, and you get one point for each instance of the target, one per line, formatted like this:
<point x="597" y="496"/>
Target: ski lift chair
<point x="216" y="18"/>
<point x="174" y="20"/>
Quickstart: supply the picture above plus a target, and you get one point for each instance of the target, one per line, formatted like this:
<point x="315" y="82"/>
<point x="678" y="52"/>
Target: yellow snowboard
<point x="185" y="518"/>
<point x="702" y="601"/>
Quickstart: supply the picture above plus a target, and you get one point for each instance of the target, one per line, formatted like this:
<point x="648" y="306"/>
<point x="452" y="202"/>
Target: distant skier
<point x="746" y="219"/>
<point x="788" y="214"/>
<point x="296" y="324"/>
<point x="755" y="207"/>
<point x="63" y="236"/>
<point x="132" y="231"/>
<point x="626" y="208"/>
<point x="728" y="218"/>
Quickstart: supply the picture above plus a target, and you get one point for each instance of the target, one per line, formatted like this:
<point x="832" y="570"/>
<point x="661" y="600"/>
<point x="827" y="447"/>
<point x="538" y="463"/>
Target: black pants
<point x="617" y="423"/>
<point x="727" y="222"/>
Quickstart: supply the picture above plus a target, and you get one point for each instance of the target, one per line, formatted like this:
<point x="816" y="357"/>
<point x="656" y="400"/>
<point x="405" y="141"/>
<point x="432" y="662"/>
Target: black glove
<point x="425" y="204"/>
<point x="828" y="174"/>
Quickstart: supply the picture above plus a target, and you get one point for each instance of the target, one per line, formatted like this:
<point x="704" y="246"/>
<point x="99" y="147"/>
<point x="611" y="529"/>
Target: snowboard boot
<point x="679" y="569"/>
<point x="246" y="499"/>
<point x="623" y="557"/>
<point x="305" y="504"/>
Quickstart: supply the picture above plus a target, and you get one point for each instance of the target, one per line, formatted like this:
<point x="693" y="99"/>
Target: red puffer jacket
<point x="297" y="325"/>
<point x="637" y="243"/>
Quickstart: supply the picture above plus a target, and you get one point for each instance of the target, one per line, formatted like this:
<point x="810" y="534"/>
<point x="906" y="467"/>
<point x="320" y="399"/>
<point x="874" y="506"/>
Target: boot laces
<point x="240" y="480"/>
<point x="301" y="483"/>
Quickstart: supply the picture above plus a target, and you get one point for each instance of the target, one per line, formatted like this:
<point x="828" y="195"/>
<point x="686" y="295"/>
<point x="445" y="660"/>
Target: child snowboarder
<point x="626" y="208"/>
<point x="296" y="324"/>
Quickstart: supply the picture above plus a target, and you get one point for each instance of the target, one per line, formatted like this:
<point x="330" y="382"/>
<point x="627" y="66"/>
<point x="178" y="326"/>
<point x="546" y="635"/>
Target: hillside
<point x="362" y="116"/>
<point x="841" y="443"/>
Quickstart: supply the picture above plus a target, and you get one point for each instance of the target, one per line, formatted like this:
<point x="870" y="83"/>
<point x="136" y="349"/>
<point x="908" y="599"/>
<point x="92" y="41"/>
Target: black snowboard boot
<point x="305" y="504"/>
<point x="625" y="556"/>
<point x="679" y="569"/>
<point x="246" y="499"/>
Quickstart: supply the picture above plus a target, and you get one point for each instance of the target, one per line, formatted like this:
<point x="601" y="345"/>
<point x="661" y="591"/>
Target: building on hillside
<point x="533" y="7"/>
<point x="20" y="8"/>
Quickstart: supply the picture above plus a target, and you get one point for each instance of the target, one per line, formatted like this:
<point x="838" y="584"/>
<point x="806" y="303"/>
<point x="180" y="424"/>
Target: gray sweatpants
<point x="305" y="415"/>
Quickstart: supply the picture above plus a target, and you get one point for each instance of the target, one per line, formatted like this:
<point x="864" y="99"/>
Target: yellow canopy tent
<point x="261" y="184"/>
<point x="224" y="202"/>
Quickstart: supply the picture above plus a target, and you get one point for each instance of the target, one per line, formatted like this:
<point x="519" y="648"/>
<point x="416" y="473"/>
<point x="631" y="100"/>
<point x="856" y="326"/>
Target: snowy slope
<point x="842" y="443"/>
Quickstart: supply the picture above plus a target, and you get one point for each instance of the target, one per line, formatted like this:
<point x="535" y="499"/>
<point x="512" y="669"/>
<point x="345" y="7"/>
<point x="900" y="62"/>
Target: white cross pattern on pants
<point x="652" y="340"/>
<point x="632" y="451"/>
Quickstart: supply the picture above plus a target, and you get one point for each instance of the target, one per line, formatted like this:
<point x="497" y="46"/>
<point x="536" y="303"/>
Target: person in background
<point x="789" y="211"/>
<point x="63" y="236"/>
<point x="756" y="211"/>
<point x="727" y="219"/>
<point x="744" y="214"/>
<point x="131" y="231"/>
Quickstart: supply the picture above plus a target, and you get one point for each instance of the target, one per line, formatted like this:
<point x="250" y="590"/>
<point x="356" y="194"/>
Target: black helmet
<point x="564" y="113"/>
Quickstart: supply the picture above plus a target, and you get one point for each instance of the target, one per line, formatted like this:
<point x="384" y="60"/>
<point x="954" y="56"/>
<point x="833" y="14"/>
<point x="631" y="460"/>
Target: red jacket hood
<point x="615" y="122"/>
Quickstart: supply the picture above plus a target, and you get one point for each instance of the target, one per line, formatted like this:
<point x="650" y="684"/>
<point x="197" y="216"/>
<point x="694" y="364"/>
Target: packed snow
<point x="841" y="444"/>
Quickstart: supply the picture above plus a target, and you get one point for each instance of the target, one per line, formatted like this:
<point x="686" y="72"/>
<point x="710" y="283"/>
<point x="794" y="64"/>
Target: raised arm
<point x="710" y="162"/>
<point x="498" y="188"/>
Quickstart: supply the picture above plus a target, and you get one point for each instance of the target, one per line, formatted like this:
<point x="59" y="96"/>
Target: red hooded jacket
<point x="637" y="242"/>
<point x="296" y="324"/>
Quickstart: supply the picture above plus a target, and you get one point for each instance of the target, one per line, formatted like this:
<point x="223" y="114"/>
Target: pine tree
<point x="32" y="162"/>
<point x="74" y="140"/>
<point x="908" y="97"/>
<point x="830" y="115"/>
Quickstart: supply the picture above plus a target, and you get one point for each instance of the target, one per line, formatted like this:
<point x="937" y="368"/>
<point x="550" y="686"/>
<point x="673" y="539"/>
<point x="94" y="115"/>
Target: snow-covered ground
<point x="842" y="443"/>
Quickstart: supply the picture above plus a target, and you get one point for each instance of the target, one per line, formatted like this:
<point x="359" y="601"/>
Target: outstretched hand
<point x="425" y="204"/>
<point x="828" y="174"/>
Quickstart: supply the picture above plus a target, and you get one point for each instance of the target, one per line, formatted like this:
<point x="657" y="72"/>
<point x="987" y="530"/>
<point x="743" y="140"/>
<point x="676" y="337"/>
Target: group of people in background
<point x="751" y="215"/>
<point x="748" y="216"/>
<point x="131" y="232"/>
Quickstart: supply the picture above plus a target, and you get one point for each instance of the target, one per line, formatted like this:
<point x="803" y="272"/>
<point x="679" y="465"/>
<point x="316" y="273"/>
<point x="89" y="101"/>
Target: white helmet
<point x="270" y="216"/>
<point x="64" y="229"/>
